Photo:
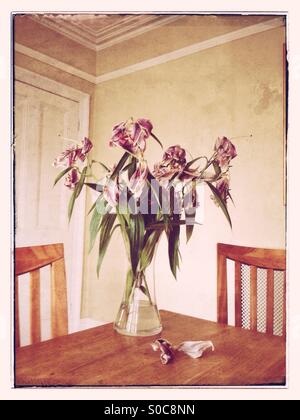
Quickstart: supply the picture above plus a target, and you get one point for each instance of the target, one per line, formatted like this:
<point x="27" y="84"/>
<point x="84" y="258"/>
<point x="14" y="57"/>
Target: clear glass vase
<point x="138" y="314"/>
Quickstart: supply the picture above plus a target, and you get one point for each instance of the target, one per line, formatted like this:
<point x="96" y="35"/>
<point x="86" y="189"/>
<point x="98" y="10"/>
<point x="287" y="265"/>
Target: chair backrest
<point x="260" y="288"/>
<point x="30" y="260"/>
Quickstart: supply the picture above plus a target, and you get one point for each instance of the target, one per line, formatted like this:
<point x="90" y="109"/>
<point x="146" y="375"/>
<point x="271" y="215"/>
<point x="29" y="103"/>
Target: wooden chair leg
<point x="35" y="310"/>
<point x="59" y="306"/>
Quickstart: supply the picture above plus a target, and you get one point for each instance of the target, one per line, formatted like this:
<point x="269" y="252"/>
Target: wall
<point x="186" y="30"/>
<point x="235" y="90"/>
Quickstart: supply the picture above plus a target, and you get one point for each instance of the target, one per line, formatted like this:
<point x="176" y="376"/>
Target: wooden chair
<point x="30" y="260"/>
<point x="260" y="288"/>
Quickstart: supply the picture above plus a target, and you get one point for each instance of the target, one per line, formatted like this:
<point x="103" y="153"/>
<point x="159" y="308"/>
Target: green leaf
<point x="162" y="225"/>
<point x="149" y="249"/>
<point x="173" y="248"/>
<point x="136" y="231"/>
<point x="230" y="196"/>
<point x="120" y="165"/>
<point x="80" y="184"/>
<point x="217" y="169"/>
<point x="158" y="141"/>
<point x="122" y="218"/>
<point x="61" y="174"/>
<point x="71" y="204"/>
<point x="100" y="203"/>
<point x="191" y="163"/>
<point x="76" y="192"/>
<point x="146" y="292"/>
<point x="93" y="186"/>
<point x="92" y="208"/>
<point x="129" y="285"/>
<point x="101" y="164"/>
<point x="189" y="231"/>
<point x="221" y="202"/>
<point x="106" y="231"/>
<point x="95" y="224"/>
<point x="190" y="214"/>
<point x="131" y="167"/>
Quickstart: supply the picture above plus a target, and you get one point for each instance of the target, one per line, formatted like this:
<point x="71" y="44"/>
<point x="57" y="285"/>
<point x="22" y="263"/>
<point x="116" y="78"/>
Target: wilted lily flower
<point x="85" y="149"/>
<point x="195" y="349"/>
<point x="72" y="179"/>
<point x="67" y="158"/>
<point x="131" y="135"/>
<point x="223" y="187"/>
<point x="225" y="151"/>
<point x="139" y="178"/>
<point x="72" y="153"/>
<point x="111" y="192"/>
<point x="174" y="163"/>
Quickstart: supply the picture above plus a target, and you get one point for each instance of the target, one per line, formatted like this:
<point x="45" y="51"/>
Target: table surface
<point x="101" y="357"/>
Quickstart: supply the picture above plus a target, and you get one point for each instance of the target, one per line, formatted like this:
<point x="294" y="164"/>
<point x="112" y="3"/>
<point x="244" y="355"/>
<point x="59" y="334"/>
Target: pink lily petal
<point x="72" y="179"/>
<point x="131" y="135"/>
<point x="66" y="158"/>
<point x="226" y="151"/>
<point x="139" y="179"/>
<point x="111" y="192"/>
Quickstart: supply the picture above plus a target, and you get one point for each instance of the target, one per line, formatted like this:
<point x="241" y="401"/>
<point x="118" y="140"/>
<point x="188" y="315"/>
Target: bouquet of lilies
<point x="145" y="203"/>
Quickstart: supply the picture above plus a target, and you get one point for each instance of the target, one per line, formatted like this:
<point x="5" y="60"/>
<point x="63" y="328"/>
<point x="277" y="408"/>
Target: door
<point x="43" y="121"/>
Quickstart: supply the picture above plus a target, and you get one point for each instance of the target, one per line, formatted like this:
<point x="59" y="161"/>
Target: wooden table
<point x="101" y="357"/>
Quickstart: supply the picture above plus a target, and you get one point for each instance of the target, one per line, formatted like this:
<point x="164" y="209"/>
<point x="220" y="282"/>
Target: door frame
<point x="77" y="225"/>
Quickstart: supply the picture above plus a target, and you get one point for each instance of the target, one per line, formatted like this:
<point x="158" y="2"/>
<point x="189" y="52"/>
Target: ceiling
<point x="99" y="31"/>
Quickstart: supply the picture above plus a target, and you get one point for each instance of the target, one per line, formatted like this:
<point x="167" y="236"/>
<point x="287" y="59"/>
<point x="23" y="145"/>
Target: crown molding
<point x="192" y="49"/>
<point x="54" y="63"/>
<point x="164" y="58"/>
<point x="98" y="40"/>
<point x="136" y="32"/>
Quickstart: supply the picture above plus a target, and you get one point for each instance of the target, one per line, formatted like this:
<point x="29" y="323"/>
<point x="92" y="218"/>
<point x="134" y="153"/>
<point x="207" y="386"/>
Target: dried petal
<point x="195" y="349"/>
<point x="167" y="352"/>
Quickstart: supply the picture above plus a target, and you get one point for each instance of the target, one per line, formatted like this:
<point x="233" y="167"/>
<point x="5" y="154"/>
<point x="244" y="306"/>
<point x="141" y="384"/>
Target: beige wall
<point x="46" y="41"/>
<point x="181" y="33"/>
<point x="233" y="90"/>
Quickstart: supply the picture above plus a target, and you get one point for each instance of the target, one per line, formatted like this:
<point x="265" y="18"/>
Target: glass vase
<point x="138" y="314"/>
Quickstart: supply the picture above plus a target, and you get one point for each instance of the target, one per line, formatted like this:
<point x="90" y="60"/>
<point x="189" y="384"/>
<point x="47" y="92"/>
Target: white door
<point x="42" y="119"/>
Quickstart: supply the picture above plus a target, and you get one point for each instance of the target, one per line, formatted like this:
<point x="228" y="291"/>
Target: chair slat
<point x="258" y="257"/>
<point x="253" y="298"/>
<point x="30" y="260"/>
<point x="222" y="290"/>
<point x="270" y="301"/>
<point x="284" y="306"/>
<point x="17" y="314"/>
<point x="238" y="295"/>
<point x="35" y="307"/>
<point x="271" y="260"/>
<point x="34" y="257"/>
<point x="59" y="309"/>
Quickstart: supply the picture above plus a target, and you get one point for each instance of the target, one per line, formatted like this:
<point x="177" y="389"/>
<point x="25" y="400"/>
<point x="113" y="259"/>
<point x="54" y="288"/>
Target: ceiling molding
<point x="55" y="63"/>
<point x="164" y="58"/>
<point x="76" y="27"/>
<point x="192" y="49"/>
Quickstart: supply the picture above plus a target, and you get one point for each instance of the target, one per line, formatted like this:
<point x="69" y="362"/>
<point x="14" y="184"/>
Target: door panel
<point x="42" y="120"/>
